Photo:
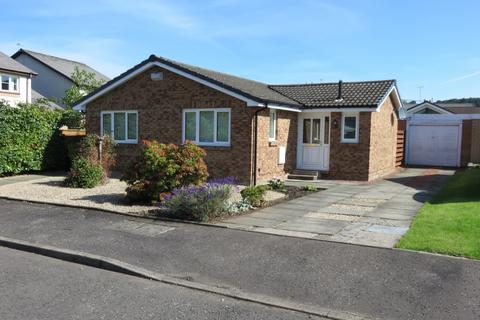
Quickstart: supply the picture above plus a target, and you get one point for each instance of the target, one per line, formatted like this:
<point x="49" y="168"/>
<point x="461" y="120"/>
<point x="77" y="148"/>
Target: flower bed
<point x="220" y="199"/>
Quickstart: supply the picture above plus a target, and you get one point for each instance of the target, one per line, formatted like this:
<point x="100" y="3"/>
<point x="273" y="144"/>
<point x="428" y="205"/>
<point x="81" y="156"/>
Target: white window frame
<point x="112" y="125"/>
<point x="274" y="113"/>
<point x="10" y="83"/>
<point x="197" y="126"/>
<point x="357" y="125"/>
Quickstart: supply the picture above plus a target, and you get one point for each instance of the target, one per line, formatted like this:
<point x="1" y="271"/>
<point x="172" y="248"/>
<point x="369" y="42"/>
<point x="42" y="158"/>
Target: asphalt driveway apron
<point x="376" y="214"/>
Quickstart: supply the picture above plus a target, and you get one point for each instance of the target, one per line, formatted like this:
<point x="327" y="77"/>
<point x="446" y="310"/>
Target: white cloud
<point x="460" y="78"/>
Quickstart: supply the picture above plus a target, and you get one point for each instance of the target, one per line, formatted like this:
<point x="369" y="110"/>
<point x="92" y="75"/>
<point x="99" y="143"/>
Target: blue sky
<point x="434" y="44"/>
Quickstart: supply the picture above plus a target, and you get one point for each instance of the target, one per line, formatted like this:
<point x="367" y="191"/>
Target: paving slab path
<point x="374" y="214"/>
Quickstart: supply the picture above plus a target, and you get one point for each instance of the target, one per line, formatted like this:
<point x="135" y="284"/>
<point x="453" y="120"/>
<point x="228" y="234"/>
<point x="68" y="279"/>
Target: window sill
<point x="210" y="147"/>
<point x="272" y="143"/>
<point x="125" y="142"/>
<point x="349" y="142"/>
<point x="11" y="92"/>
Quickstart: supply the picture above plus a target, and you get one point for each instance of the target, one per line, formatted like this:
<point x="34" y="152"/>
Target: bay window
<point x="122" y="126"/>
<point x="208" y="127"/>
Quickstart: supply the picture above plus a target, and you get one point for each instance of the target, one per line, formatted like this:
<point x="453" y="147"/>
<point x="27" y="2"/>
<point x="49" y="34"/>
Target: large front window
<point x="207" y="126"/>
<point x="9" y="83"/>
<point x="122" y="126"/>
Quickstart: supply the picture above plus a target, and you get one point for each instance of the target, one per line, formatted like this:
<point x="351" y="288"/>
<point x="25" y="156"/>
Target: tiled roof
<point x="62" y="66"/>
<point x="8" y="64"/>
<point x="324" y="95"/>
<point x="355" y="94"/>
<point x="252" y="88"/>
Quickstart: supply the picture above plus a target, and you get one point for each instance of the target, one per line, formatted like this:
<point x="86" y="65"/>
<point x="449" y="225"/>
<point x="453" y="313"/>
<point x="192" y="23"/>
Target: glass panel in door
<point x="307" y="131"/>
<point x="316" y="131"/>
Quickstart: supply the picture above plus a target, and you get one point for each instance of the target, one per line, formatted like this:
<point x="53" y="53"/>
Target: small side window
<point x="350" y="128"/>
<point x="272" y="132"/>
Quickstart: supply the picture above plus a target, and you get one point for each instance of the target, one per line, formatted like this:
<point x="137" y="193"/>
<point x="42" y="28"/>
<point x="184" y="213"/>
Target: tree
<point x="84" y="82"/>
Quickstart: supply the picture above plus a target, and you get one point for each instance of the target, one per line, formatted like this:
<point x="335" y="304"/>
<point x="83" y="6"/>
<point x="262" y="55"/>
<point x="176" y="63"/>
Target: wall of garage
<point x="475" y="138"/>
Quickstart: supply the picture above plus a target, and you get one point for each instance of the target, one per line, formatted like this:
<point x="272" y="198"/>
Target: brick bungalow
<point x="249" y="129"/>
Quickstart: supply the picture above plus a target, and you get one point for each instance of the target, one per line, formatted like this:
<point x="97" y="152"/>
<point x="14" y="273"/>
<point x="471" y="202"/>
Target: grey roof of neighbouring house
<point x="355" y="94"/>
<point x="37" y="95"/>
<point x="324" y="95"/>
<point x="9" y="64"/>
<point x="63" y="66"/>
<point x="456" y="108"/>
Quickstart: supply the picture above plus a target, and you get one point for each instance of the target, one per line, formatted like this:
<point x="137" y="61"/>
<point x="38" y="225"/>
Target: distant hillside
<point x="475" y="101"/>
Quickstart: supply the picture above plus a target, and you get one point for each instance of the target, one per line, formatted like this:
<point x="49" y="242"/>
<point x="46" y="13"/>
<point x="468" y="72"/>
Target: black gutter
<point x="255" y="139"/>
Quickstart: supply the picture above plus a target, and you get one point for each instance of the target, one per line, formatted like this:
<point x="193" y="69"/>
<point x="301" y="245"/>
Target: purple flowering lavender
<point x="203" y="202"/>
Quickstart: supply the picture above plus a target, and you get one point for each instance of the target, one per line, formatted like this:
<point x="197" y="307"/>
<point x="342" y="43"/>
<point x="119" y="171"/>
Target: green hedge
<point x="29" y="139"/>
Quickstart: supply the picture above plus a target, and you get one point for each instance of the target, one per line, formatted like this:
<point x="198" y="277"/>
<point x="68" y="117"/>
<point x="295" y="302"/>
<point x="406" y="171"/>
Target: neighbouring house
<point x="16" y="81"/>
<point x="428" y="107"/>
<point x="442" y="134"/>
<point x="54" y="73"/>
<point x="251" y="130"/>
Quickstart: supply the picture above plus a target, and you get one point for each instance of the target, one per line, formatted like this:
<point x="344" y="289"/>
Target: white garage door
<point x="433" y="144"/>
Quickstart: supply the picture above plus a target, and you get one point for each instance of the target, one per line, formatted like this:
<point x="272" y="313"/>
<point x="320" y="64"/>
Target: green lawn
<point x="450" y="223"/>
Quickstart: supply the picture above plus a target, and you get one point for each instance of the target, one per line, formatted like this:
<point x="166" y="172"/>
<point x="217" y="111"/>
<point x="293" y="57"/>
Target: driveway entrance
<point x="375" y="214"/>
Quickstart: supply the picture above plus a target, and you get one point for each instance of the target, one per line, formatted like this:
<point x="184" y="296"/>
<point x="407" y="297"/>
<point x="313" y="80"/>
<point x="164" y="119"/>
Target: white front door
<point x="314" y="142"/>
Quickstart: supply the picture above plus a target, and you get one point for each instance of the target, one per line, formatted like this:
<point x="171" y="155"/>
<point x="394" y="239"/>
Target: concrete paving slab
<point x="387" y="230"/>
<point x="391" y="216"/>
<point x="329" y="216"/>
<point x="276" y="216"/>
<point x="375" y="239"/>
<point x="253" y="222"/>
<point x="314" y="225"/>
<point x="362" y="202"/>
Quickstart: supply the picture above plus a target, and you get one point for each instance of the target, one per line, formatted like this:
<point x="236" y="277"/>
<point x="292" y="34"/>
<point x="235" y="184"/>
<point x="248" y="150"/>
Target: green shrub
<point x="239" y="207"/>
<point x="255" y="195"/>
<point x="29" y="139"/>
<point x="73" y="119"/>
<point x="309" y="187"/>
<point x="200" y="203"/>
<point x="160" y="168"/>
<point x="88" y="170"/>
<point x="277" y="184"/>
<point x="84" y="174"/>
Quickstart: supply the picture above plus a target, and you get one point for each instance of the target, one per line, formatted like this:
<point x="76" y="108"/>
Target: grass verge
<point x="450" y="223"/>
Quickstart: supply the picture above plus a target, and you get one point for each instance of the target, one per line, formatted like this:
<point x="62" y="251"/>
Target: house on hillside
<point x="251" y="130"/>
<point x="54" y="73"/>
<point x="16" y="80"/>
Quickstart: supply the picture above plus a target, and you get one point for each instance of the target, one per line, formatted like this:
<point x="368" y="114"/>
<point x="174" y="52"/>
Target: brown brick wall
<point x="267" y="163"/>
<point x="383" y="141"/>
<point x="160" y="104"/>
<point x="375" y="153"/>
<point x="465" y="156"/>
<point x="475" y="148"/>
<point x="350" y="161"/>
